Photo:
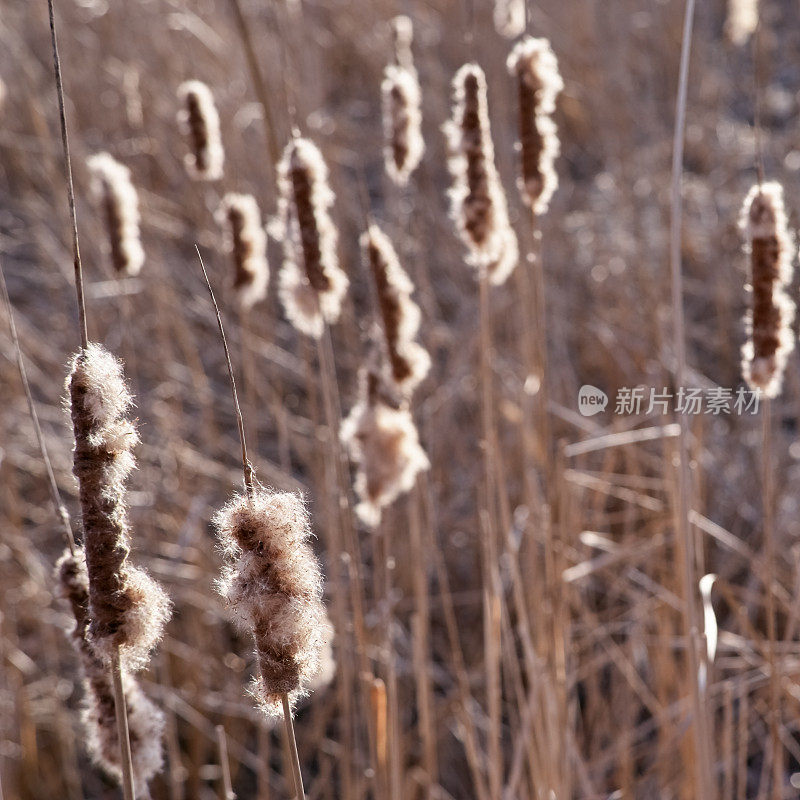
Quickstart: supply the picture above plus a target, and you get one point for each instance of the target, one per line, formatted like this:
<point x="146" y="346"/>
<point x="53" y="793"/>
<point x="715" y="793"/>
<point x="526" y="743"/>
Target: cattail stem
<point x="224" y="763"/>
<point x="491" y="577"/>
<point x="121" y="713"/>
<point x="299" y="792"/>
<point x="685" y="537"/>
<point x="768" y="494"/>
<point x="247" y="467"/>
<point x="76" y="252"/>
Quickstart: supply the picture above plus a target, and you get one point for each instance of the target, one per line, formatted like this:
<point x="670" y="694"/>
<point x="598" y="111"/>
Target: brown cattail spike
<point x="534" y="65"/>
<point x="246" y="239"/>
<point x="274" y="581"/>
<point x="312" y="284"/>
<point x="128" y="609"/>
<point x="115" y="192"/>
<point x="770" y="341"/>
<point x="145" y="721"/>
<point x="402" y="116"/>
<point x="383" y="442"/>
<point x="408" y="361"/>
<point x="477" y="200"/>
<point x="199" y="121"/>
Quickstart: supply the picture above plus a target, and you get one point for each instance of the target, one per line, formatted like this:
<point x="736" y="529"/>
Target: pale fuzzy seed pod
<point x="509" y="18"/>
<point x="246" y="239"/>
<point x="114" y="191"/>
<point x="199" y="121"/>
<point x="311" y="284"/>
<point x="409" y="362"/>
<point x="401" y="100"/>
<point x="98" y="717"/>
<point x="477" y="201"/>
<point x="742" y="20"/>
<point x="535" y="67"/>
<point x="128" y="609"/>
<point x="382" y="441"/>
<point x="402" y="123"/>
<point x="768" y="323"/>
<point x="273" y="582"/>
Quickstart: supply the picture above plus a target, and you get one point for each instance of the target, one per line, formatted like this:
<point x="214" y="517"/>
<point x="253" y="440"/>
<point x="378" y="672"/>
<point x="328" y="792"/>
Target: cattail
<point x="312" y="284"/>
<point x="400" y="315"/>
<point x="145" y="721"/>
<point x="199" y="121"/>
<point x="770" y="339"/>
<point x="535" y="66"/>
<point x="402" y="116"/>
<point x="477" y="200"/>
<point x="128" y="609"/>
<point x="382" y="440"/>
<point x="114" y="190"/>
<point x="246" y="239"/>
<point x="274" y="583"/>
<point x="742" y="20"/>
<point x="509" y="18"/>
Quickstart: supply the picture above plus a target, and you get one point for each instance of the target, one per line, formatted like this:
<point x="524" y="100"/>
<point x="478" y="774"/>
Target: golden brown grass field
<point x="407" y="558"/>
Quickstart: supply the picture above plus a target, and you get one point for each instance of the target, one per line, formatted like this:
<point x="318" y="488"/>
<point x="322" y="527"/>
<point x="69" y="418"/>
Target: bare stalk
<point x="70" y="188"/>
<point x="768" y="494"/>
<point x="222" y="746"/>
<point x="121" y="713"/>
<point x="685" y="536"/>
<point x="299" y="792"/>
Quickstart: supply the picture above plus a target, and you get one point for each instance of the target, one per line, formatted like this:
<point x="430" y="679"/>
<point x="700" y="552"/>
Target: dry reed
<point x="477" y="201"/>
<point x="199" y="122"/>
<point x="770" y="338"/>
<point x="246" y="239"/>
<point x="312" y="285"/>
<point x="116" y="194"/>
<point x="535" y="67"/>
<point x="128" y="609"/>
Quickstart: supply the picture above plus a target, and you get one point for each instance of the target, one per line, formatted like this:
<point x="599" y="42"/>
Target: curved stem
<point x="299" y="792"/>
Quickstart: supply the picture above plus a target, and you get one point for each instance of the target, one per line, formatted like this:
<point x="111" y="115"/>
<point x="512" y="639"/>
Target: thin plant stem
<point x="76" y="252"/>
<point x="491" y="589"/>
<point x="287" y="721"/>
<point x="247" y="467"/>
<point x="222" y="746"/>
<point x="685" y="536"/>
<point x="768" y="494"/>
<point x="123" y="736"/>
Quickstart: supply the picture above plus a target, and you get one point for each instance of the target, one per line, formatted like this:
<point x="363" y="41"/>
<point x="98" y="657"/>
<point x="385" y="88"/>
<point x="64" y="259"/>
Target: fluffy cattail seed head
<point x="246" y="239"/>
<point x="401" y="98"/>
<point x="273" y="582"/>
<point x="400" y="315"/>
<point x="509" y="18"/>
<point x="770" y="338"/>
<point x="115" y="192"/>
<point x="128" y="609"/>
<point x="382" y="440"/>
<point x="477" y="200"/>
<point x="199" y="121"/>
<point x="535" y="67"/>
<point x="742" y="20"/>
<point x="145" y="721"/>
<point x="312" y="285"/>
